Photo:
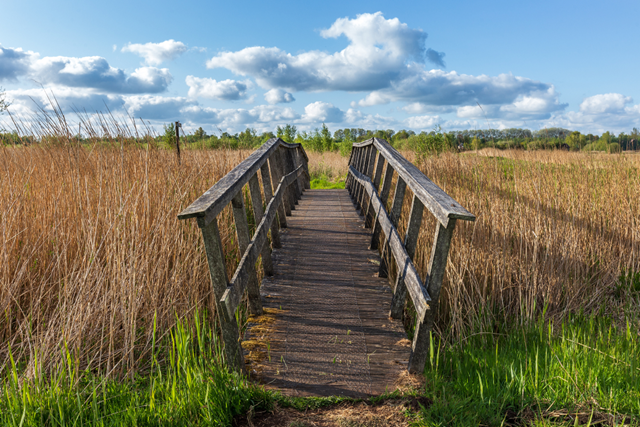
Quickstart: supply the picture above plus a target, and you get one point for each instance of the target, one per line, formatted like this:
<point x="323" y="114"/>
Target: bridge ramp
<point x="332" y="333"/>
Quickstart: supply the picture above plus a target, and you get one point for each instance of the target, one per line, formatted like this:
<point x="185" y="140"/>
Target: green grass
<point x="528" y="374"/>
<point x="191" y="388"/>
<point x="583" y="365"/>
<point x="324" y="183"/>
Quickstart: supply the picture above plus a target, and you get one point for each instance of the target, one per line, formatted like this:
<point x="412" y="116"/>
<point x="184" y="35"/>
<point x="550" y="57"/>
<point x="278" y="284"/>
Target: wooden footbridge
<point x="335" y="324"/>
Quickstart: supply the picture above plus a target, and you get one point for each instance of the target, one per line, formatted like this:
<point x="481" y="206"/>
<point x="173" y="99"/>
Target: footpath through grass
<point x="543" y="374"/>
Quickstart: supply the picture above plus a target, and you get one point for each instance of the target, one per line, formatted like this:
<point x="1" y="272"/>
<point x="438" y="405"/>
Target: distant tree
<point x="200" y="133"/>
<point x="169" y="136"/>
<point x="327" y="140"/>
<point x="287" y="133"/>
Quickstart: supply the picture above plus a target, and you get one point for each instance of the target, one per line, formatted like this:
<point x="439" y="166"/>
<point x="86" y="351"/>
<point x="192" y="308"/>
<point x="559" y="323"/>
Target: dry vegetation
<point x="92" y="250"/>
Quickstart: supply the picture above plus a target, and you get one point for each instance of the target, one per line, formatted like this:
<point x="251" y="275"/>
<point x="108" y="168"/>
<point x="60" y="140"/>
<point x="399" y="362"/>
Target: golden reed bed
<point x="92" y="250"/>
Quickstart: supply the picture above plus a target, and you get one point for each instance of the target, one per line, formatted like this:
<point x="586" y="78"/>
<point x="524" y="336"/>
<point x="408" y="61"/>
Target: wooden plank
<point x="417" y="291"/>
<point x="218" y="274"/>
<point x="410" y="242"/>
<point x="376" y="183"/>
<point x="437" y="266"/>
<point x="277" y="170"/>
<point x="244" y="239"/>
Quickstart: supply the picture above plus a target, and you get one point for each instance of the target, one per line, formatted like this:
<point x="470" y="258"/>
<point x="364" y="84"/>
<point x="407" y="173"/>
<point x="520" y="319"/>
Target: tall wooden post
<point x="177" y="127"/>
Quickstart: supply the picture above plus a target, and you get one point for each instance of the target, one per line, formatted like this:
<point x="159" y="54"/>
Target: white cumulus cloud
<point x="228" y="90"/>
<point x="278" y="96"/>
<point x="605" y="103"/>
<point x="157" y="53"/>
<point x="323" y="112"/>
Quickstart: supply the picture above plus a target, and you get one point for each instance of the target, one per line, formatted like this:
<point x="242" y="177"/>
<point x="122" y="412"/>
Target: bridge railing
<point x="366" y="165"/>
<point x="279" y="163"/>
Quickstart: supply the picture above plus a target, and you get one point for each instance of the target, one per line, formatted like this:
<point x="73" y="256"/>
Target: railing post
<point x="353" y="184"/>
<point x="396" y="210"/>
<point x="433" y="283"/>
<point x="366" y="200"/>
<point x="291" y="166"/>
<point x="410" y="241"/>
<point x="219" y="282"/>
<point x="268" y="195"/>
<point x="256" y="203"/>
<point x="384" y="195"/>
<point x="376" y="184"/>
<point x="362" y="159"/>
<point x="244" y="238"/>
<point x="287" y="198"/>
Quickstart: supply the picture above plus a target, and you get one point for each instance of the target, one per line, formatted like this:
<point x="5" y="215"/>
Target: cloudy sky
<point x="407" y="65"/>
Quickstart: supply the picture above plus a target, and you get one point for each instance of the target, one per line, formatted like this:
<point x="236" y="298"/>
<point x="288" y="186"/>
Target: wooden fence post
<point x="219" y="282"/>
<point x="433" y="283"/>
<point x="279" y="171"/>
<point x="410" y="241"/>
<point x="177" y="128"/>
<point x="256" y="203"/>
<point x="244" y="238"/>
<point x="384" y="195"/>
<point x="396" y="210"/>
<point x="376" y="184"/>
<point x="268" y="195"/>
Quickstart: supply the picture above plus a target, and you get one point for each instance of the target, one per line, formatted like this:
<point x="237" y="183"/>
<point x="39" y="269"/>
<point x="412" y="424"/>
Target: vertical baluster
<point x="355" y="156"/>
<point x="433" y="283"/>
<point x="290" y="166"/>
<point x="276" y="174"/>
<point x="244" y="238"/>
<point x="396" y="210"/>
<point x="268" y="195"/>
<point x="384" y="195"/>
<point x="366" y="199"/>
<point x="287" y="199"/>
<point x="376" y="183"/>
<point x="410" y="241"/>
<point x="256" y="203"/>
<point x="359" y="187"/>
<point x="219" y="283"/>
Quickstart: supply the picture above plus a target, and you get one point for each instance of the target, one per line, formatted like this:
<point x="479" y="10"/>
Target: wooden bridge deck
<point x="332" y="334"/>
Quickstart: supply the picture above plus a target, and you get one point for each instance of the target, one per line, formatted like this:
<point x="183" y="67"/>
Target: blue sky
<point x="406" y="65"/>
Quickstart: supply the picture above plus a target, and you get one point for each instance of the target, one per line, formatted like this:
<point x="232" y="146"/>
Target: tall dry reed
<point x="92" y="252"/>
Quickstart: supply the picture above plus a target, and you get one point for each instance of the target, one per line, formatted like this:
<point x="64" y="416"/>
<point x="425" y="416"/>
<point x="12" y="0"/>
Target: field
<point x="108" y="318"/>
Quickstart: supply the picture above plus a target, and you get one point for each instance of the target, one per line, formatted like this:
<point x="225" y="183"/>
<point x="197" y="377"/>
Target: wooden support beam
<point x="256" y="203"/>
<point x="242" y="231"/>
<point x="433" y="283"/>
<point x="217" y="271"/>
<point x="369" y="218"/>
<point x="268" y="195"/>
<point x="410" y="242"/>
<point x="384" y="195"/>
<point x="394" y="215"/>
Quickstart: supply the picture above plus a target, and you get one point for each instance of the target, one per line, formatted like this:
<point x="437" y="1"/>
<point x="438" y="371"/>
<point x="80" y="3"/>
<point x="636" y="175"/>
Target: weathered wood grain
<point x="256" y="204"/>
<point x="268" y="195"/>
<point x="384" y="195"/>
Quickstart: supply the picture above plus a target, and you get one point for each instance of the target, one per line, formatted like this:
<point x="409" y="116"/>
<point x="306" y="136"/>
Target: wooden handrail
<point x="288" y="167"/>
<point x="363" y="182"/>
<point x="211" y="203"/>
<point x="441" y="205"/>
<point x="419" y="294"/>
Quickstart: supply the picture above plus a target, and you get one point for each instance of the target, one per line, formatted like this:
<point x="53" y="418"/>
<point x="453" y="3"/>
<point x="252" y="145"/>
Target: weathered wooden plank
<point x="256" y="204"/>
<point x="437" y="266"/>
<point x="417" y="291"/>
<point x="278" y="172"/>
<point x="211" y="203"/>
<point x="410" y="241"/>
<point x="268" y="195"/>
<point x="218" y="274"/>
<point x="376" y="183"/>
<point x="369" y="170"/>
<point x="244" y="239"/>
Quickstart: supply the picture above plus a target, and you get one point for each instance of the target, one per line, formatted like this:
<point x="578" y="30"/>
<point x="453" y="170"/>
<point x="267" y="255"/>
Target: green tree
<point x="169" y="136"/>
<point x="327" y="140"/>
<point x="287" y="133"/>
<point x="200" y="133"/>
